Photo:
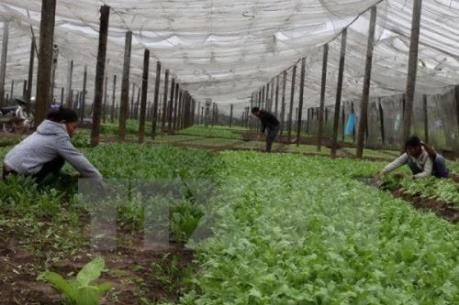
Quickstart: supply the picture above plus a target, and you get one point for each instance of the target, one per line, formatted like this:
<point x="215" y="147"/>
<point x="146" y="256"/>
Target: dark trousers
<point x="49" y="175"/>
<point x="51" y="168"/>
<point x="271" y="137"/>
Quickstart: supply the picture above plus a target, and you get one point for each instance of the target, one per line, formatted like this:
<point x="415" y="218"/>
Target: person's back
<point x="46" y="150"/>
<point x="268" y="122"/>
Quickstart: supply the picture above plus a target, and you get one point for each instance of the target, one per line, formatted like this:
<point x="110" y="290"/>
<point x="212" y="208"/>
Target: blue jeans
<point x="439" y="168"/>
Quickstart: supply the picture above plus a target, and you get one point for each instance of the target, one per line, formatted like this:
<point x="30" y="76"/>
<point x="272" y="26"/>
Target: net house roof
<point x="226" y="50"/>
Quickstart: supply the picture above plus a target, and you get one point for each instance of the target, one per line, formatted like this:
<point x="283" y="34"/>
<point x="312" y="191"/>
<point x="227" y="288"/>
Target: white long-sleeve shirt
<point x="423" y="163"/>
<point x="20" y="113"/>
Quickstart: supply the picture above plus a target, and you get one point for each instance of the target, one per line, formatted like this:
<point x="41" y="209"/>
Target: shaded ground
<point x="283" y="138"/>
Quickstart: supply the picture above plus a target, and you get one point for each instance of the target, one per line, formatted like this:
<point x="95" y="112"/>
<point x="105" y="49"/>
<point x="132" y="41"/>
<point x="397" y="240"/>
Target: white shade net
<point x="226" y="50"/>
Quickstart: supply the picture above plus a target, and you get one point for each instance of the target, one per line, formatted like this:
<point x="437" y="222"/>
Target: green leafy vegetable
<point x="80" y="291"/>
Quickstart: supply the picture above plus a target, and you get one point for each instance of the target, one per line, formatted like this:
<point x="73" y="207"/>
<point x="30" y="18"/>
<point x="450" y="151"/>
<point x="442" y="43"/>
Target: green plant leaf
<point x="104" y="288"/>
<point x="91" y="271"/>
<point x="88" y="296"/>
<point x="59" y="283"/>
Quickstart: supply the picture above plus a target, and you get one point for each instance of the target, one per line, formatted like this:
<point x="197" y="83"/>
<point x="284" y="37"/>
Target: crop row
<point x="294" y="230"/>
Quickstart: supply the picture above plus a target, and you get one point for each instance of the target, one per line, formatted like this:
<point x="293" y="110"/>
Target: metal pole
<point x="100" y="73"/>
<point x="124" y="103"/>
<point x="363" y="122"/>
<point x="48" y="11"/>
<point x="339" y="91"/>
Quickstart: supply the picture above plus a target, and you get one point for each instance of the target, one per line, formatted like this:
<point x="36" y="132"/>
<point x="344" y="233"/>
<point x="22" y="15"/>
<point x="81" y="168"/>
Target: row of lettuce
<point x="285" y="229"/>
<point x="292" y="230"/>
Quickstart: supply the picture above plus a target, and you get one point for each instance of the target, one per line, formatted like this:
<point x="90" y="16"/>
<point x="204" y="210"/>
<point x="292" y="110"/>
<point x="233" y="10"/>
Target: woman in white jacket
<point x="422" y="160"/>
<point x="45" y="151"/>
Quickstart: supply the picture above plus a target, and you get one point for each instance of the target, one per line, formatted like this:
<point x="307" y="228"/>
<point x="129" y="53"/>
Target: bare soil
<point x="441" y="209"/>
<point x="135" y="273"/>
<point x="283" y="138"/>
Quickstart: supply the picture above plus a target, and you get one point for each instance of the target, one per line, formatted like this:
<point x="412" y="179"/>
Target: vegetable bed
<point x="295" y="230"/>
<point x="286" y="229"/>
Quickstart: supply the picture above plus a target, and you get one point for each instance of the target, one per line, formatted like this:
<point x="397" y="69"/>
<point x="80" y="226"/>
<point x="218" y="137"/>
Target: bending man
<point x="269" y="123"/>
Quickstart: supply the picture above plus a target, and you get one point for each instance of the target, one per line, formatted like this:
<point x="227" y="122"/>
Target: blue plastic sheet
<point x="351" y="125"/>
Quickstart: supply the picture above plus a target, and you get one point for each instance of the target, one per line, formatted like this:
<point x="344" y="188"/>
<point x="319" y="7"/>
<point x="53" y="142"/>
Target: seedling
<point x="80" y="291"/>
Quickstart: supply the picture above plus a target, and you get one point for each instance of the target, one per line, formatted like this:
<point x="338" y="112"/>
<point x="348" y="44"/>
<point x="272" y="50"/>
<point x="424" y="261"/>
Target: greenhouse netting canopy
<point x="226" y="50"/>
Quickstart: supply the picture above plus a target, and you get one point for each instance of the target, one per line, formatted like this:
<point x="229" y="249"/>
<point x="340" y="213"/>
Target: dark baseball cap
<point x="21" y="100"/>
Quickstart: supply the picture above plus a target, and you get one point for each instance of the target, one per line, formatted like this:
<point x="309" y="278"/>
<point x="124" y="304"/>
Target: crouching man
<point x="43" y="154"/>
